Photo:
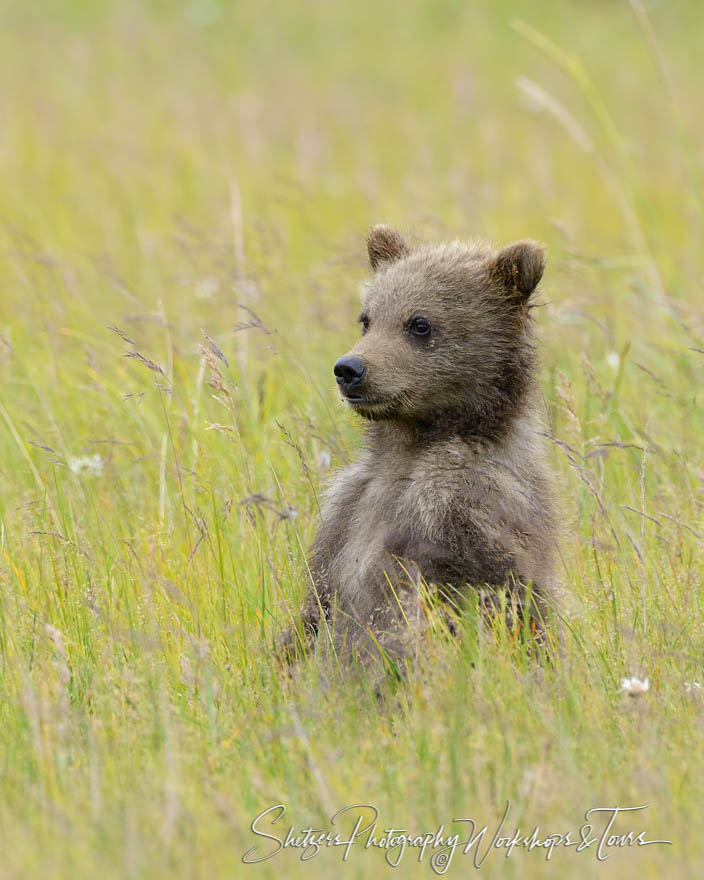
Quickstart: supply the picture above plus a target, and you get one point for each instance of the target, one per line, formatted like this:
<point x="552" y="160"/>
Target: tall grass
<point x="185" y="192"/>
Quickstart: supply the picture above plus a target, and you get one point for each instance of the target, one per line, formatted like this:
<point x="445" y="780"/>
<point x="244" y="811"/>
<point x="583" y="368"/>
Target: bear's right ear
<point x="519" y="268"/>
<point x="385" y="245"/>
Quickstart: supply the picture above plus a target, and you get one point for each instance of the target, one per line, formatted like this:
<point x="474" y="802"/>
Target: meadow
<point x="185" y="189"/>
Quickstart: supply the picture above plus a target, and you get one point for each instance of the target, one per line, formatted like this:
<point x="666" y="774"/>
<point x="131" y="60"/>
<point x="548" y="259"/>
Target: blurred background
<point x="186" y="189"/>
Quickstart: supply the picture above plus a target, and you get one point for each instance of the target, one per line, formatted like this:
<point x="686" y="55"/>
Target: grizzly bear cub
<point x="452" y="489"/>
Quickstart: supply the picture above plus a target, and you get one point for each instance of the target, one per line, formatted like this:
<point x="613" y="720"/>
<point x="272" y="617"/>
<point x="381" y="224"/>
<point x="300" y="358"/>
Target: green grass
<point x="163" y="165"/>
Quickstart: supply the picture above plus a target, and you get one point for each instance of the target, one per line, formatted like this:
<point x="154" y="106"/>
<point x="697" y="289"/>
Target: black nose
<point x="349" y="371"/>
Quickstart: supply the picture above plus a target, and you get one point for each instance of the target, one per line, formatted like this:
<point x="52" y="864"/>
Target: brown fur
<point x="452" y="486"/>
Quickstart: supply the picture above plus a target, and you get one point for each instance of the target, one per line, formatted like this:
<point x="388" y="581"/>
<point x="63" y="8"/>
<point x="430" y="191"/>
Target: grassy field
<point x="185" y="189"/>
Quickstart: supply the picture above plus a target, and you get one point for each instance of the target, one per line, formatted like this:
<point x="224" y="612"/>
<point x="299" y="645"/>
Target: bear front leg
<point x="297" y="639"/>
<point x="452" y="572"/>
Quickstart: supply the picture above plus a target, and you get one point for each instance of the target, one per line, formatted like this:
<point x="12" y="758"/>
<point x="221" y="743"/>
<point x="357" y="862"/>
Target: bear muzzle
<point x="349" y="371"/>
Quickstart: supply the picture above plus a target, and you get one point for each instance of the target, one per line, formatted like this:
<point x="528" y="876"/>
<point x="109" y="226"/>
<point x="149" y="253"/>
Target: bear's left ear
<point x="519" y="267"/>
<point x="385" y="245"/>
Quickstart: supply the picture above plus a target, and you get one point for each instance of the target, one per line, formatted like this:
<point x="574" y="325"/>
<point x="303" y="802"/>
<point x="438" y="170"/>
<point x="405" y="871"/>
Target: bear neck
<point x="443" y="426"/>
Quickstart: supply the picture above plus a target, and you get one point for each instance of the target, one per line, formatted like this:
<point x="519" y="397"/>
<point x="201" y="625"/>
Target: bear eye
<point x="364" y="321"/>
<point x="420" y="327"/>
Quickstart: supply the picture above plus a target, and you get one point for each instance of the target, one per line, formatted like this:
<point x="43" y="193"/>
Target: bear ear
<point x="519" y="268"/>
<point x="385" y="245"/>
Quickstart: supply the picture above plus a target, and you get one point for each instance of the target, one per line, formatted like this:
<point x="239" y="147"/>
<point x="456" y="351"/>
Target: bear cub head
<point x="446" y="335"/>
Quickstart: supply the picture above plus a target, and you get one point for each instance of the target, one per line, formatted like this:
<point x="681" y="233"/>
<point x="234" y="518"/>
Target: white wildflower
<point x="87" y="465"/>
<point x="691" y="686"/>
<point x="207" y="287"/>
<point x="247" y="289"/>
<point x="613" y="360"/>
<point x="634" y="687"/>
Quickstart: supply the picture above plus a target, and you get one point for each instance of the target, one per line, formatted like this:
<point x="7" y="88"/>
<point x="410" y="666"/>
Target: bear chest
<point x="382" y="508"/>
